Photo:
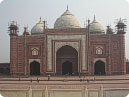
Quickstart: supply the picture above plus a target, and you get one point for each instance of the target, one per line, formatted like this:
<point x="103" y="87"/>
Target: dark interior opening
<point x="35" y="68"/>
<point x="67" y="68"/>
<point x="1" y="71"/>
<point x="99" y="68"/>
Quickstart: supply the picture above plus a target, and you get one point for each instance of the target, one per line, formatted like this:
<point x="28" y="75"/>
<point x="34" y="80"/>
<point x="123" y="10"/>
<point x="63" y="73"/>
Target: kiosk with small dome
<point x="68" y="48"/>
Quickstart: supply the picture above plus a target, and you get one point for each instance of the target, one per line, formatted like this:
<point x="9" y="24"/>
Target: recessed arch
<point x="66" y="57"/>
<point x="73" y="45"/>
<point x="99" y="68"/>
<point x="34" y="68"/>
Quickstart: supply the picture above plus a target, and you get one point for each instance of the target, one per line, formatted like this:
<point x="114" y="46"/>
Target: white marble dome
<point x="38" y="28"/>
<point x="67" y="20"/>
<point x="96" y="28"/>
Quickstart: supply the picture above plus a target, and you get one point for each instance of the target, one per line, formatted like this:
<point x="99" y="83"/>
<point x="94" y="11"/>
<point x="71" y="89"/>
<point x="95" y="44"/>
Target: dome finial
<point x="94" y="18"/>
<point x="40" y="20"/>
<point x="67" y="7"/>
<point x="26" y="30"/>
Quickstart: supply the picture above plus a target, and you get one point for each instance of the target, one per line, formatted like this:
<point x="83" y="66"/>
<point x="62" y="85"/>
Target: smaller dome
<point x="96" y="28"/>
<point x="38" y="28"/>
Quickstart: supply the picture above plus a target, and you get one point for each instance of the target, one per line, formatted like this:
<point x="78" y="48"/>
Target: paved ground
<point x="69" y="82"/>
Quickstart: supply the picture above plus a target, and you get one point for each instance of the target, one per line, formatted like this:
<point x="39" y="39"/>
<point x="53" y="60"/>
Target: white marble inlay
<point x="74" y="45"/>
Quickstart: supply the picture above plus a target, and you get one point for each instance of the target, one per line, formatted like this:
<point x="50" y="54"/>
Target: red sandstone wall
<point x="17" y="55"/>
<point x="114" y="52"/>
<point x="36" y="41"/>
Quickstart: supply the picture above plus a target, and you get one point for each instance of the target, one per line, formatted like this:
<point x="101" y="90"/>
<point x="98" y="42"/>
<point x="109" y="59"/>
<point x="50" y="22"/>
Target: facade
<point x="68" y="48"/>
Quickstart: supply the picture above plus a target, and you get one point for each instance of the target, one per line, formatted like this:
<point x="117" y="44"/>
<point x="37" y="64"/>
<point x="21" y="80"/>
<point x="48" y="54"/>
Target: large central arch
<point x="66" y="61"/>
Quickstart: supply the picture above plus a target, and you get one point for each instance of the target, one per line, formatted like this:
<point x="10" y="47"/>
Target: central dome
<point x="67" y="20"/>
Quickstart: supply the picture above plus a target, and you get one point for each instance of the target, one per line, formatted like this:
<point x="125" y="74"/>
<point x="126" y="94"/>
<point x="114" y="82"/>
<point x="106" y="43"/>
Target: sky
<point x="28" y="12"/>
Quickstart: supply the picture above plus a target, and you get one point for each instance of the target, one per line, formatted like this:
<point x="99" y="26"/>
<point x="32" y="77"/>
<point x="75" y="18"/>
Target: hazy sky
<point x="28" y="12"/>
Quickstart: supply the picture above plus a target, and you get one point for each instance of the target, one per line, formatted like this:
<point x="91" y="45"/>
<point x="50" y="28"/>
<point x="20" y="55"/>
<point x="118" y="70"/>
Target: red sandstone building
<point x="68" y="48"/>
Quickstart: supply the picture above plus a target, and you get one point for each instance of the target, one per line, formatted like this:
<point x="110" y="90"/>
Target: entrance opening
<point x="67" y="61"/>
<point x="99" y="68"/>
<point x="1" y="70"/>
<point x="67" y="68"/>
<point x="35" y="68"/>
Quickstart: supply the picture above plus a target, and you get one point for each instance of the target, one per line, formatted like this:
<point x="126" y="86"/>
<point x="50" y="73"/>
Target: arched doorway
<point x="99" y="68"/>
<point x="1" y="71"/>
<point x="67" y="61"/>
<point x="35" y="68"/>
<point x="67" y="68"/>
